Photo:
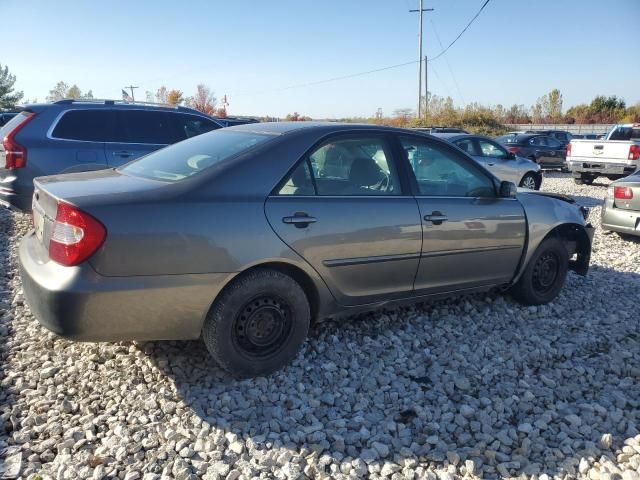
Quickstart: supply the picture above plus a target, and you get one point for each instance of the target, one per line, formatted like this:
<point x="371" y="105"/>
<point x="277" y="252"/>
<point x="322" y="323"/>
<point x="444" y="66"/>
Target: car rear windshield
<point x="184" y="159"/>
<point x="625" y="133"/>
<point x="512" y="138"/>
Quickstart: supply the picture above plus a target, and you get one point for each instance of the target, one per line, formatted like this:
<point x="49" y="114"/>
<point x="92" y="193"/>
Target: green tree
<point x="9" y="98"/>
<point x="58" y="92"/>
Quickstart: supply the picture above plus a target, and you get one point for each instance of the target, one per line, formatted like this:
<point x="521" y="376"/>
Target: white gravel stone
<point x="473" y="387"/>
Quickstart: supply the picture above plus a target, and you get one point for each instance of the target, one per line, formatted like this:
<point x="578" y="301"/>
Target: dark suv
<point x="72" y="136"/>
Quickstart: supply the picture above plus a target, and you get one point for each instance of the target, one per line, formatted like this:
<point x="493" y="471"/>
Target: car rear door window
<point x="188" y="126"/>
<point x="490" y="149"/>
<point x="147" y="127"/>
<point x="468" y="145"/>
<point x="440" y="171"/>
<point x="93" y="125"/>
<point x="553" y="143"/>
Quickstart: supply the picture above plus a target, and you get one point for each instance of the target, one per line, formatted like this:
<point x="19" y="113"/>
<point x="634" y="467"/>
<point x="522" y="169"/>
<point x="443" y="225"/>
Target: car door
<point x="344" y="211"/>
<point x="471" y="237"/>
<point x="499" y="161"/>
<point x="557" y="152"/>
<point x="139" y="132"/>
<point x="79" y="136"/>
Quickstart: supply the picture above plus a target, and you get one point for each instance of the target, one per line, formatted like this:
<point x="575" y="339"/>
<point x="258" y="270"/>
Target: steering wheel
<point x="383" y="184"/>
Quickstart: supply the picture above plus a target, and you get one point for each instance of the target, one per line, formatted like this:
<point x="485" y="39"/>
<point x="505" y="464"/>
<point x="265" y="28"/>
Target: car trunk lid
<point x="83" y="190"/>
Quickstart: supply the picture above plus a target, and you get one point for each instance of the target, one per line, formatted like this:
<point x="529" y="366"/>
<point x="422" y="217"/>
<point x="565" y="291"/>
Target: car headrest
<point x="364" y="172"/>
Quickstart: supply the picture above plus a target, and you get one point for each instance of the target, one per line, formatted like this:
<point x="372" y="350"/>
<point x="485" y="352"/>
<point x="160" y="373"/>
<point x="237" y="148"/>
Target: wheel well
<point x="299" y="276"/>
<point x="577" y="241"/>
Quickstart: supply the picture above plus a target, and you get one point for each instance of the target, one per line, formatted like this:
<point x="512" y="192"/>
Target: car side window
<point x="147" y="127"/>
<point x="468" y="145"/>
<point x="299" y="182"/>
<point x="85" y="125"/>
<point x="535" y="141"/>
<point x="552" y="142"/>
<point x="189" y="126"/>
<point x="439" y="171"/>
<point x="354" y="166"/>
<point x="490" y="149"/>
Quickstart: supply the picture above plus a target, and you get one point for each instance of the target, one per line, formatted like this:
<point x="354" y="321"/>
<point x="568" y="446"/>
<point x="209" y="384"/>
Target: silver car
<point x="245" y="235"/>
<point x="621" y="209"/>
<point x="498" y="160"/>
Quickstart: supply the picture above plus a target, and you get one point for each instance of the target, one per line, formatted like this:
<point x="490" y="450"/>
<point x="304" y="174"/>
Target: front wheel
<point x="544" y="275"/>
<point x="258" y="323"/>
<point x="529" y="181"/>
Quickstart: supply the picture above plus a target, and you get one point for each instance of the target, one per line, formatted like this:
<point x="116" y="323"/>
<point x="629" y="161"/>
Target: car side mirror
<point x="508" y="189"/>
<point x="511" y="155"/>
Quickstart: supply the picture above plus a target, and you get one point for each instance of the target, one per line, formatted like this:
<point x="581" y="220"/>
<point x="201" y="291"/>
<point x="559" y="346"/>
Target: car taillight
<point x="76" y="236"/>
<point x="623" y="193"/>
<point x="514" y="149"/>
<point x="16" y="154"/>
<point x="568" y="149"/>
<point x="634" y="152"/>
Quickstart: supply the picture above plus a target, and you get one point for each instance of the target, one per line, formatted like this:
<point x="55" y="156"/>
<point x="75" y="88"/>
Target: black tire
<point x="530" y="177"/>
<point x="584" y="180"/>
<point x="258" y="323"/>
<point x="545" y="274"/>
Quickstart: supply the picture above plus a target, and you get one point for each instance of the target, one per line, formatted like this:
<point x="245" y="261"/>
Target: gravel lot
<point x="477" y="387"/>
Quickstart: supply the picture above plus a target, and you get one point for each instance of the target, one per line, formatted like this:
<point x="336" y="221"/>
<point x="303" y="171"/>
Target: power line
<point x="381" y="69"/>
<point x="455" y="81"/>
<point x="460" y="34"/>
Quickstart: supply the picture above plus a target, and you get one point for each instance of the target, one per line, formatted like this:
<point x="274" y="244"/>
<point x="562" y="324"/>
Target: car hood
<point x="557" y="196"/>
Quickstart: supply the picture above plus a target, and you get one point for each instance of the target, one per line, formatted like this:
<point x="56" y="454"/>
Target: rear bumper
<point x="80" y="304"/>
<point x="619" y="220"/>
<point x="601" y="168"/>
<point x="15" y="193"/>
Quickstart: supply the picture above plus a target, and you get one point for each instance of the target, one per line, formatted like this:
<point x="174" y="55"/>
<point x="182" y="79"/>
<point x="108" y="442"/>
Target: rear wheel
<point x="544" y="275"/>
<point x="258" y="323"/>
<point x="529" y="181"/>
<point x="584" y="180"/>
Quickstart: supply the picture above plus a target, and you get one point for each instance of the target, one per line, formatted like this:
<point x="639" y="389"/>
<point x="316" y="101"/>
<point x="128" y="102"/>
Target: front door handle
<point x="300" y="220"/>
<point x="436" y="218"/>
<point x="491" y="164"/>
<point x="123" y="154"/>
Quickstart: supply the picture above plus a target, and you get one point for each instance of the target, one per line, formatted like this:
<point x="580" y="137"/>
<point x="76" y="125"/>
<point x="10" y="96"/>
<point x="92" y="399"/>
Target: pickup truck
<point x="614" y="157"/>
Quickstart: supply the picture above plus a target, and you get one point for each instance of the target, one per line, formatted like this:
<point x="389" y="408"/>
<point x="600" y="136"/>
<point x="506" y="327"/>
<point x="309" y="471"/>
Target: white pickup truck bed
<point x="615" y="157"/>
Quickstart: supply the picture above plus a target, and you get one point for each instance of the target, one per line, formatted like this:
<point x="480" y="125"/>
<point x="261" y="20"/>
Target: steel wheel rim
<point x="529" y="182"/>
<point x="262" y="326"/>
<point x="545" y="272"/>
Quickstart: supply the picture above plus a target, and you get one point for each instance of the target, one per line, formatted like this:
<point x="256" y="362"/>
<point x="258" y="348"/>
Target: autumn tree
<point x="296" y="117"/>
<point x="63" y="90"/>
<point x="9" y="98"/>
<point x="204" y="101"/>
<point x="548" y="108"/>
<point x="175" y="97"/>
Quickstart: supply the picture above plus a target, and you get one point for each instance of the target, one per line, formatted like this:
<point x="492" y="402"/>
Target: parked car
<point x="562" y="136"/>
<point x="503" y="164"/>
<point x="233" y="121"/>
<point x="6" y="116"/>
<point x="542" y="149"/>
<point x="74" y="135"/>
<point x="440" y="130"/>
<point x="246" y="234"/>
<point x="621" y="208"/>
<point x="614" y="157"/>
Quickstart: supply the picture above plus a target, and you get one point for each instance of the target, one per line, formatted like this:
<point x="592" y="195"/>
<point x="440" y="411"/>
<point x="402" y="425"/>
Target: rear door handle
<point x="436" y="218"/>
<point x="123" y="154"/>
<point x="300" y="220"/>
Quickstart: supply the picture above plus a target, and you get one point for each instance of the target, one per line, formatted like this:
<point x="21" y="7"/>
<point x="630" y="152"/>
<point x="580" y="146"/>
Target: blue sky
<point x="252" y="51"/>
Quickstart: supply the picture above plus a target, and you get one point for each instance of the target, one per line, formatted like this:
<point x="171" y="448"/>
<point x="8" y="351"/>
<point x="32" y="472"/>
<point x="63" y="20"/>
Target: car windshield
<point x="187" y="158"/>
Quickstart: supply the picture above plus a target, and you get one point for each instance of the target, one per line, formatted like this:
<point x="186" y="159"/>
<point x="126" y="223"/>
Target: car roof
<point x="80" y="104"/>
<point x="280" y="128"/>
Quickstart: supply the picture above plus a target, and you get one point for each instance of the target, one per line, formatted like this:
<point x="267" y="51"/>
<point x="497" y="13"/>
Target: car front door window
<point x="492" y="150"/>
<point x="439" y="171"/>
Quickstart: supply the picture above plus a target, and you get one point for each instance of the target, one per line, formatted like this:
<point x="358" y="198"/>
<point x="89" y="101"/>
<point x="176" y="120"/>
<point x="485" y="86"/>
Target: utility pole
<point x="426" y="91"/>
<point x="420" y="10"/>
<point x="131" y="87"/>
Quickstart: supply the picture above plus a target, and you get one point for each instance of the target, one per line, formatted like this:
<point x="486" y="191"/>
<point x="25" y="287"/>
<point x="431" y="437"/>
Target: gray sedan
<point x="498" y="160"/>
<point x="245" y="235"/>
<point x="621" y="209"/>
